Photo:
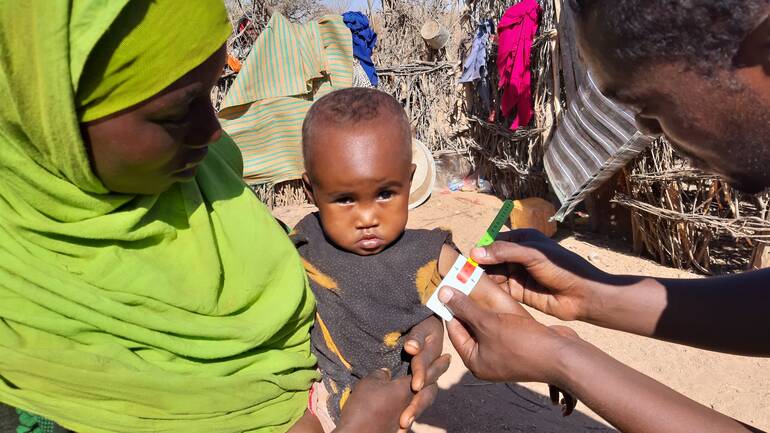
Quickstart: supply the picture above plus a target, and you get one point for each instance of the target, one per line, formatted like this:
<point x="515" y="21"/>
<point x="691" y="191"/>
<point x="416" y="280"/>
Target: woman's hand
<point x="375" y="404"/>
<point x="425" y="343"/>
<point x="539" y="272"/>
<point x="381" y="404"/>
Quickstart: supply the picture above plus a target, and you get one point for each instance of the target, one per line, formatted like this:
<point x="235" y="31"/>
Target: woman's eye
<point x="174" y="119"/>
<point x="385" y="195"/>
<point x="177" y="120"/>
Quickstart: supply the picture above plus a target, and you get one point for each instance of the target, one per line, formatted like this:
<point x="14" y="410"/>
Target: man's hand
<point x="539" y="272"/>
<point x="424" y="343"/>
<point x="375" y="404"/>
<point x="508" y="347"/>
<point x="504" y="347"/>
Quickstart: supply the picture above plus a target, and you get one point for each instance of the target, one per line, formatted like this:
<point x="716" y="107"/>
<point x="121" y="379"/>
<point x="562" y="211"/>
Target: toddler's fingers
<point x="437" y="368"/>
<point x="418" y="336"/>
<point x="425" y="343"/>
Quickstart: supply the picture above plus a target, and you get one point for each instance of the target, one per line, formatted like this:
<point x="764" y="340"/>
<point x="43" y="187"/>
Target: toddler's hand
<point x="425" y="343"/>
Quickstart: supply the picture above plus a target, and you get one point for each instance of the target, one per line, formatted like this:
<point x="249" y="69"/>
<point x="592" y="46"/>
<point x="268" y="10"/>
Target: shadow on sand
<point x="473" y="406"/>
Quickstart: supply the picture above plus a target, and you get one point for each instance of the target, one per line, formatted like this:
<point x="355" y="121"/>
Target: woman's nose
<point x="207" y="129"/>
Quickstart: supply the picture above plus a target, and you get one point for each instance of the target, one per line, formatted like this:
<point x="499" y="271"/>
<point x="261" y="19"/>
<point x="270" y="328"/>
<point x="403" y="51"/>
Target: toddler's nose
<point x="367" y="218"/>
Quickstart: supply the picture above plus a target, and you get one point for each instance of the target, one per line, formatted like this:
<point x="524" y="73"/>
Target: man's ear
<point x="308" y="187"/>
<point x="755" y="48"/>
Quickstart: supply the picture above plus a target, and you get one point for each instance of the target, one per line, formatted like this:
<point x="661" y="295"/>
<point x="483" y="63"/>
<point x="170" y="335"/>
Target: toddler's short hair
<point x="348" y="107"/>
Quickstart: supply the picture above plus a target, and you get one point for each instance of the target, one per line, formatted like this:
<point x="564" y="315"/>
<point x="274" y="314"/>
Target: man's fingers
<point x="421" y="401"/>
<point x="497" y="278"/>
<point x="521" y="235"/>
<point x="568" y="402"/>
<point x="504" y="252"/>
<point x="553" y="393"/>
<point x="461" y="339"/>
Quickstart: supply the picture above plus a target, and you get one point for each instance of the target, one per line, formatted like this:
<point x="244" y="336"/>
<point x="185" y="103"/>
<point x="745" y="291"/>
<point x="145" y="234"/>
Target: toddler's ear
<point x="411" y="175"/>
<point x="308" y="187"/>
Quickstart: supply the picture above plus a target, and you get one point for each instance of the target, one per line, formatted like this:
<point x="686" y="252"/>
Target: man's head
<point x="358" y="167"/>
<point x="696" y="70"/>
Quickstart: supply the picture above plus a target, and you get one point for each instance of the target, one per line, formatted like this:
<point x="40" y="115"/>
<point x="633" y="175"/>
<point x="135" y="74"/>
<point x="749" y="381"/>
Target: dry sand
<point x="736" y="386"/>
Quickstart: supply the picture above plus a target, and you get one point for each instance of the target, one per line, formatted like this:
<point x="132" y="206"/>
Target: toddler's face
<point x="360" y="178"/>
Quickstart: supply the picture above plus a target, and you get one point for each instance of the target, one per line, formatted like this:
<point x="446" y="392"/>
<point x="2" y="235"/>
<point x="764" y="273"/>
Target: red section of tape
<point x="466" y="272"/>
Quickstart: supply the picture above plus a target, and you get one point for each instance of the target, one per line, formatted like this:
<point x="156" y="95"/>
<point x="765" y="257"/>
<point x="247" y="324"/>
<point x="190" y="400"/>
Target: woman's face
<point x="146" y="148"/>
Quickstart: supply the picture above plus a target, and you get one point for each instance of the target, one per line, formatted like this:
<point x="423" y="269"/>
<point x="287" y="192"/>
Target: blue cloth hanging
<point x="475" y="66"/>
<point x="364" y="41"/>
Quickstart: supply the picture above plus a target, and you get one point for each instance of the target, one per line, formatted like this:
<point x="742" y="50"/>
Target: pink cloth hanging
<point x="517" y="30"/>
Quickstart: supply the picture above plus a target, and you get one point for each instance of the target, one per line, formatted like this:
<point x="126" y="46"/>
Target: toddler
<point x="371" y="277"/>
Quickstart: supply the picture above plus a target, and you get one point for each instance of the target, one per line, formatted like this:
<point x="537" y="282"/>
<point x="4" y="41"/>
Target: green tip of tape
<point x="497" y="224"/>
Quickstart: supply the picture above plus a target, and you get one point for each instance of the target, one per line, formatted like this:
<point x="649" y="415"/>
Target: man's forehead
<point x="619" y="89"/>
<point x="622" y="80"/>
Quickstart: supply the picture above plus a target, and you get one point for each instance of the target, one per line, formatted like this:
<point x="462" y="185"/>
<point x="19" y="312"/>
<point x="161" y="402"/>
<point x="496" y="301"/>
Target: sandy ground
<point x="736" y="386"/>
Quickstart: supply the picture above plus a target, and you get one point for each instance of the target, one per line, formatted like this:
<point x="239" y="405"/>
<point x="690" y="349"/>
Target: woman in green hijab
<point x="143" y="288"/>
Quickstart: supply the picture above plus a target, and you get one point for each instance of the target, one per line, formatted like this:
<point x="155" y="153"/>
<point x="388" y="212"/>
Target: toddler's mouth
<point x="370" y="242"/>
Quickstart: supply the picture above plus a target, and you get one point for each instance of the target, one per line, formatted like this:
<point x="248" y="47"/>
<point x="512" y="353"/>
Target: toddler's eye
<point x="385" y="195"/>
<point x="344" y="200"/>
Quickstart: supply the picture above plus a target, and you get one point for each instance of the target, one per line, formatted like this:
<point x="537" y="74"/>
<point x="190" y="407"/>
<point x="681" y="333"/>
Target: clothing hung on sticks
<point x="364" y="42"/>
<point x="475" y="69"/>
<point x="516" y="32"/>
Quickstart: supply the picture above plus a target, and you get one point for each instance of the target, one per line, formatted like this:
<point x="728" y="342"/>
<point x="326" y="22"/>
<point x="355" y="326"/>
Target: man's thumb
<point x="460" y="305"/>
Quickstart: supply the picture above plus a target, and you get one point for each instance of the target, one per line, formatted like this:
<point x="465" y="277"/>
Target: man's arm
<point x="508" y="347"/>
<point x="727" y="314"/>
<point x="633" y="402"/>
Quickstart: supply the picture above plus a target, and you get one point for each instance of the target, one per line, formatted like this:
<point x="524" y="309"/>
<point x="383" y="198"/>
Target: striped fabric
<point x="595" y="137"/>
<point x="289" y="67"/>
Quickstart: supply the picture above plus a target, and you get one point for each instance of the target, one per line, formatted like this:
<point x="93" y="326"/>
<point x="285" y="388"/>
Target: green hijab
<point x="185" y="311"/>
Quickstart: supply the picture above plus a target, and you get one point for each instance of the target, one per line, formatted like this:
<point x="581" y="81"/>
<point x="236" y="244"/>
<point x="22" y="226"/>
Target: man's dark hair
<point x="351" y="106"/>
<point x="704" y="34"/>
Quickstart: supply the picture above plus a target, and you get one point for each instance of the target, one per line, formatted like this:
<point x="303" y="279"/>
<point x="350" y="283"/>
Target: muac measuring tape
<point x="466" y="273"/>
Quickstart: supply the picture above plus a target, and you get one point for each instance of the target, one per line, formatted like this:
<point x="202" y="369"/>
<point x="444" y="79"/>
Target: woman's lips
<point x="193" y="159"/>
